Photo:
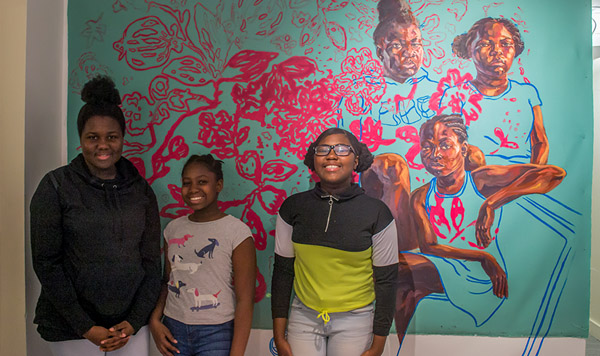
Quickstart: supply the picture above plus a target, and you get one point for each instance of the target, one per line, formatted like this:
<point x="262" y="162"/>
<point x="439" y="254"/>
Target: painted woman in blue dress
<point x="457" y="217"/>
<point x="504" y="119"/>
<point x="503" y="116"/>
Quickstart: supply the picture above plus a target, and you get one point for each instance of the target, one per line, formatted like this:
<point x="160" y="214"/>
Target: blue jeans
<point x="201" y="340"/>
<point x="346" y="334"/>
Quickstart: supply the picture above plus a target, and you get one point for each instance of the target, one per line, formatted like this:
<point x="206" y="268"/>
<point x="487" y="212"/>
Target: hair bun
<point x="388" y="9"/>
<point x="101" y="90"/>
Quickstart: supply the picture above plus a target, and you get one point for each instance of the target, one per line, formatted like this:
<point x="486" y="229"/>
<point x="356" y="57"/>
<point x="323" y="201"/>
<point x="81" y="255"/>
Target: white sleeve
<point x="242" y="232"/>
<point x="385" y="246"/>
<point x="283" y="238"/>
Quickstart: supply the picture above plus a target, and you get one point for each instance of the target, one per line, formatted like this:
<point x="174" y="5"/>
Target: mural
<point x="492" y="203"/>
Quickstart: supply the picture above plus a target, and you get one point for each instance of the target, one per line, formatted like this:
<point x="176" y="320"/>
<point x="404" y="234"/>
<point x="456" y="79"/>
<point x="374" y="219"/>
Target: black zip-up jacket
<point x="96" y="250"/>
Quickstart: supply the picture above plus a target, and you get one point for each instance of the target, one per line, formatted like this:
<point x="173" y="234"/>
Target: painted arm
<point x="539" y="141"/>
<point x="244" y="278"/>
<point x="388" y="180"/>
<point x="503" y="184"/>
<point x="475" y="158"/>
<point x="429" y="245"/>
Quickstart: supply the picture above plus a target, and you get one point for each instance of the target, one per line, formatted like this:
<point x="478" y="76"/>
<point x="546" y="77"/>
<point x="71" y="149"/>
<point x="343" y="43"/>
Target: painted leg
<point x="417" y="278"/>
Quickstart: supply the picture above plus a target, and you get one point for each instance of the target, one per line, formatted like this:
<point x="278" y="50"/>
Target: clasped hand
<point x="110" y="339"/>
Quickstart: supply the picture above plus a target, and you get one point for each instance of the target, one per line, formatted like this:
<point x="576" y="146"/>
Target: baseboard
<point x="260" y="343"/>
<point x="595" y="329"/>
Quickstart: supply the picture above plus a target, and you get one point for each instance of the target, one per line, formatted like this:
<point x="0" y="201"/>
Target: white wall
<point x="595" y="261"/>
<point x="13" y="19"/>
<point x="45" y="128"/>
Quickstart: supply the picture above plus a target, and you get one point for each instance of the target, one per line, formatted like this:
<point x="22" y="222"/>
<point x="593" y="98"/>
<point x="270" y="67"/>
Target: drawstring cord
<point x="325" y="316"/>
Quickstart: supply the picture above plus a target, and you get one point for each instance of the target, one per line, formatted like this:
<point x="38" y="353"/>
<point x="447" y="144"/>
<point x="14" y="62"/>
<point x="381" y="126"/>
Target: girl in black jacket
<point x="95" y="237"/>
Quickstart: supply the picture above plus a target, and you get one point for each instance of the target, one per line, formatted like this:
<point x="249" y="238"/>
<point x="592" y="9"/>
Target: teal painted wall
<point x="255" y="82"/>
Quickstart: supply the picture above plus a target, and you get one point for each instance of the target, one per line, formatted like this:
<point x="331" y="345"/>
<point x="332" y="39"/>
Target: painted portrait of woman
<point x="458" y="218"/>
<point x="503" y="116"/>
<point x="399" y="47"/>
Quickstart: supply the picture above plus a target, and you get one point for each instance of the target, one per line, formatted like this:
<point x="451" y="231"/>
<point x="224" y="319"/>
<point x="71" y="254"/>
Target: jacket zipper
<point x="329" y="215"/>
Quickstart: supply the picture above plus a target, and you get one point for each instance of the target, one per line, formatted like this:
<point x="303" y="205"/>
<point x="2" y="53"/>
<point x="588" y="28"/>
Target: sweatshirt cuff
<point x="82" y="324"/>
<point x="279" y="313"/>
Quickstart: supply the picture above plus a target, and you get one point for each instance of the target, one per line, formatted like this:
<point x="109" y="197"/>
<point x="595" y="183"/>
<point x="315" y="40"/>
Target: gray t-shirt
<point x="200" y="284"/>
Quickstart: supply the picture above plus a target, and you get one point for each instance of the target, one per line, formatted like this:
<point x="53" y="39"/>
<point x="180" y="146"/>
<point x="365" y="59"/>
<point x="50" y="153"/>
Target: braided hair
<point x="454" y="122"/>
<point x="213" y="165"/>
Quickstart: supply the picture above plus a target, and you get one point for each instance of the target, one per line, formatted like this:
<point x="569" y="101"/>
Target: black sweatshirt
<point x="96" y="250"/>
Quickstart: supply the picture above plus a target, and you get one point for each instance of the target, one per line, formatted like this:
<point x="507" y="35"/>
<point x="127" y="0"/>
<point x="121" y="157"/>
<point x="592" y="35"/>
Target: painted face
<point x="102" y="144"/>
<point x="494" y="51"/>
<point x="200" y="187"/>
<point x="401" y="52"/>
<point x="333" y="170"/>
<point x="443" y="154"/>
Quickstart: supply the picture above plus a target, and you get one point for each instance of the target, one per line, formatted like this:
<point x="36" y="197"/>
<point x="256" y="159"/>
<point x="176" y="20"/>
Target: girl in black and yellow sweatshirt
<point x="338" y="248"/>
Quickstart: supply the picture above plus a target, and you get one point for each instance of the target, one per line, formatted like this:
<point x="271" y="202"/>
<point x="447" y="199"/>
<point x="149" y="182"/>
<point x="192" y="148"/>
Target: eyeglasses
<point x="340" y="150"/>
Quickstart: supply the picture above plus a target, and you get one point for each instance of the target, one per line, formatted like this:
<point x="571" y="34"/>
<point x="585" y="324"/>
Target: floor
<point x="592" y="347"/>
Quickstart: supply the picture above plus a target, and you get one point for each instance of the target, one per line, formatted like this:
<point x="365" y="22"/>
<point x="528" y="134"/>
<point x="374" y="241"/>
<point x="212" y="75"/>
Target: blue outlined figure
<point x="504" y="117"/>
<point x="466" y="284"/>
<point x="399" y="47"/>
<point x="457" y="216"/>
<point x="272" y="347"/>
<point x="505" y="122"/>
<point x="406" y="103"/>
<point x="552" y="294"/>
<point x="501" y="126"/>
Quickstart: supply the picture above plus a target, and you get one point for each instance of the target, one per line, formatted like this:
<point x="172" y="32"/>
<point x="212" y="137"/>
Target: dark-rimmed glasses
<point x="340" y="150"/>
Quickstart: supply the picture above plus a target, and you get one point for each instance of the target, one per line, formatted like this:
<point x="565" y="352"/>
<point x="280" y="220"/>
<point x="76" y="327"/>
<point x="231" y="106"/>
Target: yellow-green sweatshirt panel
<point x="332" y="280"/>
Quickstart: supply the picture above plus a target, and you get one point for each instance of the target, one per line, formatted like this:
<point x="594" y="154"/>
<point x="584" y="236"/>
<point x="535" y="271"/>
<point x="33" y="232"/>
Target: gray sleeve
<point x="385" y="246"/>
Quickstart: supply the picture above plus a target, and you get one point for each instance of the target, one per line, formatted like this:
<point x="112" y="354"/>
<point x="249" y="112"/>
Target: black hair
<point x="365" y="157"/>
<point x="455" y="122"/>
<point x="392" y="12"/>
<point x="462" y="43"/>
<point x="102" y="99"/>
<point x="213" y="165"/>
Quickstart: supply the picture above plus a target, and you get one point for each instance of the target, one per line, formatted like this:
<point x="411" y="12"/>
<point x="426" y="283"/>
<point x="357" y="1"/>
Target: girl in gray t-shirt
<point x="200" y="310"/>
